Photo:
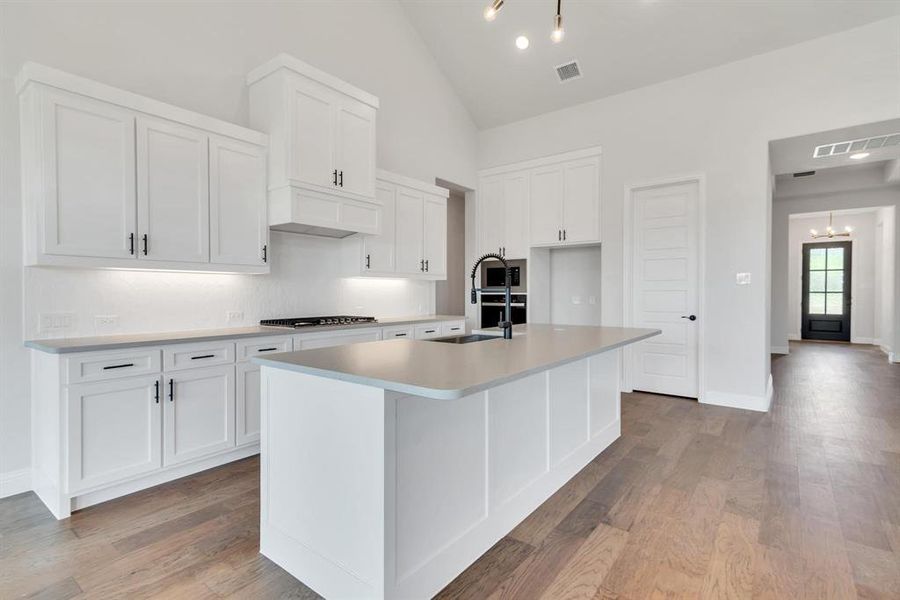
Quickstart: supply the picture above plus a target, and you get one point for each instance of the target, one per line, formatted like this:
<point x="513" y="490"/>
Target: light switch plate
<point x="106" y="323"/>
<point x="742" y="278"/>
<point x="234" y="316"/>
<point x="56" y="322"/>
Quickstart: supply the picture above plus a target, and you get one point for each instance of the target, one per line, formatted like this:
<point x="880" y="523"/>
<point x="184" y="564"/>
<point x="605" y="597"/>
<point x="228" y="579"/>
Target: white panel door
<point x="490" y="217"/>
<point x="247" y="418"/>
<point x="172" y="191"/>
<point x="581" y="201"/>
<point x="409" y="231"/>
<point x="238" y="222"/>
<point x="312" y="134"/>
<point x="113" y="430"/>
<point x="198" y="413"/>
<point x="378" y="250"/>
<point x="89" y="188"/>
<point x="665" y="288"/>
<point x="546" y="205"/>
<point x="515" y="217"/>
<point x="355" y="156"/>
<point x="435" y="234"/>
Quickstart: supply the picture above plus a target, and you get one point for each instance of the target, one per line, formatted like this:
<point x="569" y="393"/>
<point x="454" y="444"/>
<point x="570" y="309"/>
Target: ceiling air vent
<point x="838" y="148"/>
<point x="568" y="71"/>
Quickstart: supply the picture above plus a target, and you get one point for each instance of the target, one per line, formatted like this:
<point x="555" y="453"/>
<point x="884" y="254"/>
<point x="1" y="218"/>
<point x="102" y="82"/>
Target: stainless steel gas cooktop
<point x="302" y="322"/>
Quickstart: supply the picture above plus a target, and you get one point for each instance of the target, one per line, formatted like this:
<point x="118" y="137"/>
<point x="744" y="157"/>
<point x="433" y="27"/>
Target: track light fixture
<point x="490" y="13"/>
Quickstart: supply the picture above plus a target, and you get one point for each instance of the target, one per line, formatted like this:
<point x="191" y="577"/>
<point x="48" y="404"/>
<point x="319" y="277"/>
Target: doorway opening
<point x="827" y="273"/>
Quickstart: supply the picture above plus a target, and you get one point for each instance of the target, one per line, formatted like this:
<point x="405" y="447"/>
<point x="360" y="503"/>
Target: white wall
<point x="196" y="55"/>
<point x="885" y="278"/>
<point x="719" y="122"/>
<point x="575" y="286"/>
<point x="862" y="325"/>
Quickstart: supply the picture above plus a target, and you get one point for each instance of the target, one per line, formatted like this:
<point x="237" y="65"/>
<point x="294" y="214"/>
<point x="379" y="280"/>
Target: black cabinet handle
<point x="171" y="390"/>
<point x="422" y="265"/>
<point x="203" y="356"/>
<point x="368" y="261"/>
<point x="265" y="253"/>
<point x="334" y="177"/>
<point x="342" y="179"/>
<point x="559" y="235"/>
<point x="122" y="366"/>
<point x="689" y="317"/>
<point x="430" y="330"/>
<point x="144" y="240"/>
<point x="156" y="390"/>
<point x="399" y="335"/>
<point x="426" y="266"/>
<point x="131" y="243"/>
<point x="564" y="235"/>
<point x="266" y="349"/>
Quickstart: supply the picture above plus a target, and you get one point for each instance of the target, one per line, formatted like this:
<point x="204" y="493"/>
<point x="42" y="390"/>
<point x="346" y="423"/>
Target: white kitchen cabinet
<point x="434" y="248"/>
<point x="198" y="413"/>
<point x="398" y="332"/>
<point x="111" y="179"/>
<point x="546" y="205"/>
<point x="581" y="200"/>
<point x="503" y="214"/>
<point x="410" y="232"/>
<point x="453" y="328"/>
<point x="238" y="216"/>
<point x="79" y="177"/>
<point x="322" y="141"/>
<point x="247" y="417"/>
<point x="172" y="191"/>
<point x="113" y="430"/>
<point x="379" y="251"/>
<point x="490" y="214"/>
<point x="327" y="339"/>
<point x="428" y="331"/>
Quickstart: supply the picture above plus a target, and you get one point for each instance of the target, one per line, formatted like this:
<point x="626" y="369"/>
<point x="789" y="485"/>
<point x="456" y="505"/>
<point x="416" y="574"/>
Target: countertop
<point x="451" y="371"/>
<point x="114" y="342"/>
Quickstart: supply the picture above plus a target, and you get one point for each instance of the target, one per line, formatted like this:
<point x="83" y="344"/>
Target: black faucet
<point x="506" y="323"/>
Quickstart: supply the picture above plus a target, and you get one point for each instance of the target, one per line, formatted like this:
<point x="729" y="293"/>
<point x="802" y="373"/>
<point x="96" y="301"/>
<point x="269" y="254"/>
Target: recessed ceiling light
<point x="859" y="155"/>
<point x="522" y="42"/>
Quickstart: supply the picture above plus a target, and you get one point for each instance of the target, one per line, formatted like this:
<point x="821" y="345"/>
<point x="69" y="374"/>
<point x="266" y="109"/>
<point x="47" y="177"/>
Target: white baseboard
<point x="862" y="340"/>
<point x="794" y="337"/>
<point x="780" y="350"/>
<point x="15" y="482"/>
<point x="744" y="401"/>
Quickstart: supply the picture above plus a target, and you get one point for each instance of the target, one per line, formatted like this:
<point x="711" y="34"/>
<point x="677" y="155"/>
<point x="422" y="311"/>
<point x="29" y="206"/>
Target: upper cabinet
<point x="413" y="238"/>
<point x="322" y="149"/>
<point x="553" y="201"/>
<point x="116" y="180"/>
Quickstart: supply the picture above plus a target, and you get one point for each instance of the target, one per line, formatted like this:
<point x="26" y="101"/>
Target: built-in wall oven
<point x="493" y="303"/>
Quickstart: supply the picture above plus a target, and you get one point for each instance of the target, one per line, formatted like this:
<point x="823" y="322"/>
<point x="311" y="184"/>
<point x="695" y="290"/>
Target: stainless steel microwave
<point x="493" y="275"/>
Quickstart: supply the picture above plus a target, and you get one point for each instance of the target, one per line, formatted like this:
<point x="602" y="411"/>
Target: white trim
<point x="41" y="74"/>
<point x="742" y="401"/>
<point x="853" y="287"/>
<point x="286" y="61"/>
<point x="138" y="264"/>
<point x="627" y="242"/>
<point x="780" y="350"/>
<point x="15" y="482"/>
<point x="862" y="340"/>
<point x="409" y="182"/>
<point x="542" y="161"/>
<point x="794" y="337"/>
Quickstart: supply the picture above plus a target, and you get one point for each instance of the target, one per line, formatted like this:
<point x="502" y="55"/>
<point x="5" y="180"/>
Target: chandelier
<point x="829" y="231"/>
<point x="490" y="13"/>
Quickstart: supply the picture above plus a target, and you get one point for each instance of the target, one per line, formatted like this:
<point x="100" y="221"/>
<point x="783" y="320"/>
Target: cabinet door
<point x="311" y="115"/>
<point x="490" y="214"/>
<point x="248" y="416"/>
<point x="198" y="413"/>
<point x="409" y="230"/>
<point x="546" y="205"/>
<point x="435" y="235"/>
<point x="238" y="222"/>
<point x="89" y="204"/>
<point x="113" y="430"/>
<point x="378" y="250"/>
<point x="581" y="201"/>
<point x="326" y="340"/>
<point x="355" y="156"/>
<point x="515" y="218"/>
<point x="172" y="191"/>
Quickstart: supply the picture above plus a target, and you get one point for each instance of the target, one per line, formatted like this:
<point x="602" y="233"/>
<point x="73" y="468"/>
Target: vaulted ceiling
<point x="619" y="44"/>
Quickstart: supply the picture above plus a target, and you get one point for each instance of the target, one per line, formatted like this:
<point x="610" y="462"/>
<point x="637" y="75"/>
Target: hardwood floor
<point x="693" y="501"/>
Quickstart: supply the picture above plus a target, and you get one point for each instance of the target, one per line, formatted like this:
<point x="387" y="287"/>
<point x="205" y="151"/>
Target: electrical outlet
<point x="592" y="300"/>
<point x="576" y="299"/>
<point x="742" y="278"/>
<point x="106" y="323"/>
<point x="234" y="316"/>
<point x="56" y="322"/>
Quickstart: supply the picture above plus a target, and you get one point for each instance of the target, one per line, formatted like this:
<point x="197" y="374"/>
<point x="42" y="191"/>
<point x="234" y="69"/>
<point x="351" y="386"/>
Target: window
<point x="826" y="281"/>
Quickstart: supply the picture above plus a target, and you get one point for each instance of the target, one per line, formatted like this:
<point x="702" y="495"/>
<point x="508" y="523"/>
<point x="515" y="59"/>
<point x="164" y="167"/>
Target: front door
<point x="826" y="291"/>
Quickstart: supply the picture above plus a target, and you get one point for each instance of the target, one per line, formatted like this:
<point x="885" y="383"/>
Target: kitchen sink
<point x="466" y="339"/>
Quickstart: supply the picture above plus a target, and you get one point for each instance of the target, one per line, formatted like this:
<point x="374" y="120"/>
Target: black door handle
<point x="342" y="179"/>
<point x="171" y="390"/>
<point x="334" y="177"/>
<point x="689" y="317"/>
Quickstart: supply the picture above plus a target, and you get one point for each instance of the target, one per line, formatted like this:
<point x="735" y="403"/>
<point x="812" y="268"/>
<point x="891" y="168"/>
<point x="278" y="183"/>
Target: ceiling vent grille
<point x="872" y="143"/>
<point x="568" y="71"/>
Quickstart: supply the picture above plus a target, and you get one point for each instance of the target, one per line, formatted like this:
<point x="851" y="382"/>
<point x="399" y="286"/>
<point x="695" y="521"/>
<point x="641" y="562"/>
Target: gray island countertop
<point x="451" y="371"/>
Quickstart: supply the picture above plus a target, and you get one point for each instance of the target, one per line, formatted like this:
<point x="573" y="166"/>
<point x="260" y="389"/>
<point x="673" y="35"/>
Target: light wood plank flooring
<point x="693" y="501"/>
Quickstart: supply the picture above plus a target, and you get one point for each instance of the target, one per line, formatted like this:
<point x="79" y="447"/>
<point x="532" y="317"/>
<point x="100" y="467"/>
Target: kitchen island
<point x="389" y="467"/>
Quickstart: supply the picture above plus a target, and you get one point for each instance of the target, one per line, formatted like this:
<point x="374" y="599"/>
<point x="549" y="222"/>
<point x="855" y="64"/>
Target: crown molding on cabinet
<point x="409" y="182"/>
<point x="542" y="161"/>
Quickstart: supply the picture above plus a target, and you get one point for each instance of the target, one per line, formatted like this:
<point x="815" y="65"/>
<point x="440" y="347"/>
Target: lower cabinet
<point x="198" y="413"/>
<point x="248" y="413"/>
<point x="113" y="430"/>
<point x="336" y="338"/>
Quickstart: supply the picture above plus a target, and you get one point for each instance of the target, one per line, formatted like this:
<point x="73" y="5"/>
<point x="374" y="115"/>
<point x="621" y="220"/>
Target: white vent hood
<point x="321" y="149"/>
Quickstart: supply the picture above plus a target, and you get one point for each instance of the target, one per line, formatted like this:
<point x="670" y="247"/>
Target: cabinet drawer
<point x="206" y="354"/>
<point x="453" y="328"/>
<point x="261" y="346"/>
<point x="398" y="332"/>
<point x="336" y="338"/>
<point x="427" y="331"/>
<point x="98" y="366"/>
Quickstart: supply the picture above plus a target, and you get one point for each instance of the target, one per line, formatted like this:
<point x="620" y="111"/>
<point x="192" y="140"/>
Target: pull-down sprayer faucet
<point x="506" y="323"/>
